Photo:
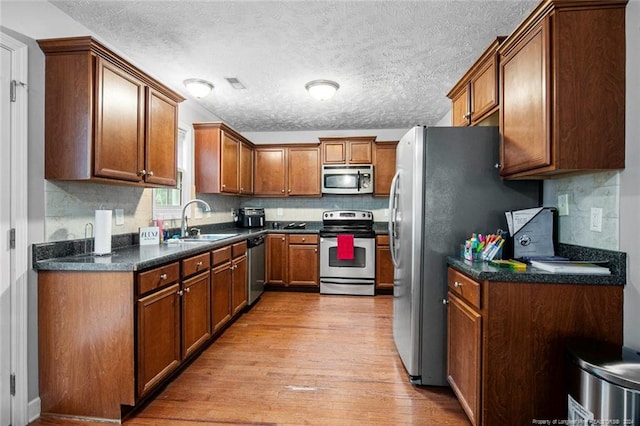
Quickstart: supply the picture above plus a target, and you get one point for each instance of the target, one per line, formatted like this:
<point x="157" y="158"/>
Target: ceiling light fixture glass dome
<point x="197" y="87"/>
<point x="322" y="89"/>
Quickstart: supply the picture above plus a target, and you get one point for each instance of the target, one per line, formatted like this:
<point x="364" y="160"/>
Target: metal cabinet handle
<point x="289" y="191"/>
<point x="142" y="172"/>
<point x="445" y="302"/>
<point x="150" y="173"/>
<point x="282" y="190"/>
<point x="198" y="264"/>
<point x="315" y="250"/>
<point x="282" y="238"/>
<point x="224" y="186"/>
<point x="497" y="166"/>
<point x="187" y="290"/>
<point x="180" y="293"/>
<point x="303" y="239"/>
<point x="457" y="284"/>
<point x="163" y="276"/>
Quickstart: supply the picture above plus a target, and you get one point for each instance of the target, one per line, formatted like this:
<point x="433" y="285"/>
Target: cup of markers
<point x="483" y="247"/>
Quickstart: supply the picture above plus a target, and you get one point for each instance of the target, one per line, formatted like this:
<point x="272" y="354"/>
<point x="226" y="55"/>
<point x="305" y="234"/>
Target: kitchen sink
<point x="206" y="238"/>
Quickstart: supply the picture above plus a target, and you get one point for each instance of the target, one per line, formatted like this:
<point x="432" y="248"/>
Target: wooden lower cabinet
<point x="221" y="288"/>
<point x="196" y="312"/>
<point x="506" y="341"/>
<point x="158" y="337"/>
<point x="384" y="264"/>
<point x="292" y="259"/>
<point x="239" y="277"/>
<point x="303" y="260"/>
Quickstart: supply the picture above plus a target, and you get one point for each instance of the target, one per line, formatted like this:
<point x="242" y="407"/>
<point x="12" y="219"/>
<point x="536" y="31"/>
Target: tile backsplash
<point x="71" y="205"/>
<point x="600" y="190"/>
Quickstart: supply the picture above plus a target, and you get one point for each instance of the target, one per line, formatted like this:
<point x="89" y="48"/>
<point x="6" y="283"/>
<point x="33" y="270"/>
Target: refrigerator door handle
<point x="392" y="219"/>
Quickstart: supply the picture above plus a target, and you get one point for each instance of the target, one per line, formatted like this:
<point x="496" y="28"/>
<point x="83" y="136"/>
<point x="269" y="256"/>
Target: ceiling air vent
<point x="235" y="83"/>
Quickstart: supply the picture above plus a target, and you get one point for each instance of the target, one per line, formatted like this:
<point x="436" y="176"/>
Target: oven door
<point x="363" y="264"/>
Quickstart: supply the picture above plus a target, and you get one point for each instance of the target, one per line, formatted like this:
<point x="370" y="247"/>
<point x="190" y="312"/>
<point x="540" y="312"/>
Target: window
<point x="167" y="202"/>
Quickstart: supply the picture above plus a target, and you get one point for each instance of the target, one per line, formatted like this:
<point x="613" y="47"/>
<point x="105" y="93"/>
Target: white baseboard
<point x="33" y="409"/>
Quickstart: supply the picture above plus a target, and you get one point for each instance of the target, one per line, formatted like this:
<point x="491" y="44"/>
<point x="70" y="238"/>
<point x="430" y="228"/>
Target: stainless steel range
<point x="347" y="253"/>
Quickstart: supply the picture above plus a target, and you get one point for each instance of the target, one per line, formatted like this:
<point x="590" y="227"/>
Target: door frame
<point x="19" y="220"/>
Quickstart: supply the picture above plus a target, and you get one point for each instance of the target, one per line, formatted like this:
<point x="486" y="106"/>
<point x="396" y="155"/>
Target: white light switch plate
<point x="119" y="216"/>
<point x="563" y="205"/>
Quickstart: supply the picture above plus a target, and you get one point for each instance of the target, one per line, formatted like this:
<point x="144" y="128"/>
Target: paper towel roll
<point x="102" y="229"/>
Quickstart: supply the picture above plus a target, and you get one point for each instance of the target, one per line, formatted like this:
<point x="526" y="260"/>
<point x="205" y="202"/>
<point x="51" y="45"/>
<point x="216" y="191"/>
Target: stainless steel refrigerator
<point x="446" y="186"/>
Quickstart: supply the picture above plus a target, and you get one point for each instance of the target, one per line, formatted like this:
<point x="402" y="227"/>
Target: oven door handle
<point x="393" y="210"/>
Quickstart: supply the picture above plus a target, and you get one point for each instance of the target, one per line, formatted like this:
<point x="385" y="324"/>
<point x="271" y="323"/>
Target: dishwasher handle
<point x="255" y="241"/>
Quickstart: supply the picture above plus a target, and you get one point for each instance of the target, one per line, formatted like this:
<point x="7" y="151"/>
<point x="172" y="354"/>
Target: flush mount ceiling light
<point x="197" y="87"/>
<point x="322" y="89"/>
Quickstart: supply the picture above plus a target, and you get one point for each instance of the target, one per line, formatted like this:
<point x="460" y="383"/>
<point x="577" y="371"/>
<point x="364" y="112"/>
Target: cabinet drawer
<point x="464" y="287"/>
<point x="303" y="239"/>
<point x="382" y="240"/>
<point x="194" y="264"/>
<point x="158" y="277"/>
<point x="221" y="255"/>
<point x="238" y="249"/>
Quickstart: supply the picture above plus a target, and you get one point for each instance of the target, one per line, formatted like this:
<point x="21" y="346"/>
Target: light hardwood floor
<point x="301" y="358"/>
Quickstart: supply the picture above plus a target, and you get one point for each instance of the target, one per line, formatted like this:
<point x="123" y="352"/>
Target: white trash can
<point x="603" y="384"/>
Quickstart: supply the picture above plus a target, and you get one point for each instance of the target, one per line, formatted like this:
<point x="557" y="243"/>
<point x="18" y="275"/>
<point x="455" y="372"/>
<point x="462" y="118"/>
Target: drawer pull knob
<point x="187" y="290"/>
<point x="180" y="293"/>
<point x="457" y="284"/>
<point x="163" y="276"/>
<point x="445" y="302"/>
<point x="198" y="264"/>
<point x="150" y="173"/>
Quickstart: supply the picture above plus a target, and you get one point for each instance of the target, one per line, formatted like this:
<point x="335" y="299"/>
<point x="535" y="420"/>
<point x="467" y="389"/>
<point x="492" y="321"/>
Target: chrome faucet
<point x="183" y="224"/>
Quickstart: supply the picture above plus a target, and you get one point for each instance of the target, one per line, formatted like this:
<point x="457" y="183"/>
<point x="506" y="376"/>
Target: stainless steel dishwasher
<point x="255" y="259"/>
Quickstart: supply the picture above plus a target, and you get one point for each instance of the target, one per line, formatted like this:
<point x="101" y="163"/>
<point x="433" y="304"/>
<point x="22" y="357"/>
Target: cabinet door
<point x="464" y="329"/>
<point x="384" y="167"/>
<point x="303" y="264"/>
<point x="119" y="142"/>
<point x="196" y="312"/>
<point x="304" y="171"/>
<point x="270" y="171"/>
<point x="460" y="115"/>
<point x="334" y="152"/>
<point x="484" y="90"/>
<point x="384" y="265"/>
<point x="239" y="280"/>
<point x="246" y="169"/>
<point x="359" y="152"/>
<point x="525" y="112"/>
<point x="221" y="296"/>
<point x="158" y="337"/>
<point x="276" y="259"/>
<point x="229" y="164"/>
<point x="161" y="140"/>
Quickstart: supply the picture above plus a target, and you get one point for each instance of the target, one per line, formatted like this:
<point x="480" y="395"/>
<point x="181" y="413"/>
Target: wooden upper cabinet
<point x="475" y="96"/>
<point x="384" y="167"/>
<point x="287" y="170"/>
<point x="347" y="150"/>
<point x="230" y="164"/>
<point x="246" y="169"/>
<point x="105" y="120"/>
<point x="223" y="160"/>
<point x="303" y="171"/>
<point x="562" y="94"/>
<point x="270" y="171"/>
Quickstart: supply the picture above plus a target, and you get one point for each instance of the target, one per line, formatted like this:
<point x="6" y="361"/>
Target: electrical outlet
<point x="596" y="219"/>
<point x="563" y="205"/>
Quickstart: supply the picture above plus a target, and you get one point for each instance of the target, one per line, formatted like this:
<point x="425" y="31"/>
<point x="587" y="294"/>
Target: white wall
<point x="630" y="182"/>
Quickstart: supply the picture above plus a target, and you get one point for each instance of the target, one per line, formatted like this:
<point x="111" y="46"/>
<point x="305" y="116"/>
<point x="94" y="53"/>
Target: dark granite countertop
<point x="128" y="256"/>
<point x="482" y="271"/>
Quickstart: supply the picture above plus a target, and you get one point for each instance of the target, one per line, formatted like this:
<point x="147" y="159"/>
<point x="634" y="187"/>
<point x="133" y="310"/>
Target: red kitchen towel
<point x="345" y="247"/>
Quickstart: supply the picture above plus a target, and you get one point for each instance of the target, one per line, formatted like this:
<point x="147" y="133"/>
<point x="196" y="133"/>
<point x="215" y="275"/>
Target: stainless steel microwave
<point x="340" y="179"/>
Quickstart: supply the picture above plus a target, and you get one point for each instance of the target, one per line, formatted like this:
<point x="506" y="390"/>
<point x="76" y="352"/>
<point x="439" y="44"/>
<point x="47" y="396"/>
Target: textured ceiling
<point x="395" y="61"/>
